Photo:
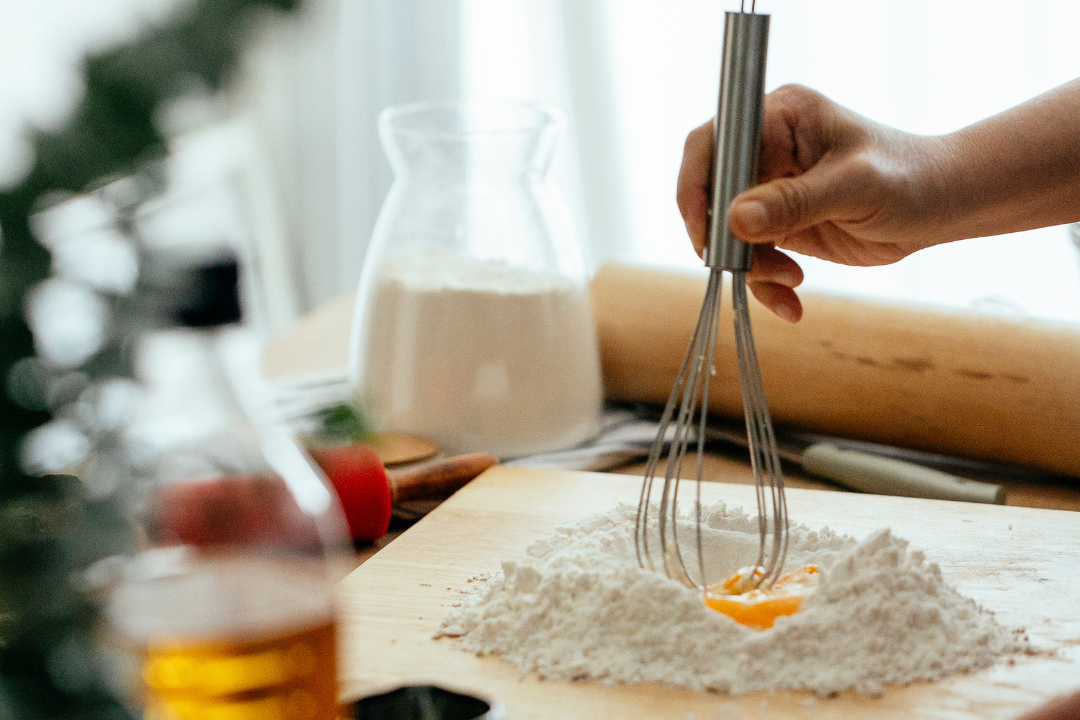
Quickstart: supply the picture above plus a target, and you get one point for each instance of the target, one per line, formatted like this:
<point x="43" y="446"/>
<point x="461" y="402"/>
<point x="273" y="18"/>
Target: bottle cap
<point x="195" y="289"/>
<point x="209" y="295"/>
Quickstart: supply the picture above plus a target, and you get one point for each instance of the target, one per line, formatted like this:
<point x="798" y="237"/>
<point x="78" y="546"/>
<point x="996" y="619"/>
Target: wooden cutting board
<point x="1022" y="563"/>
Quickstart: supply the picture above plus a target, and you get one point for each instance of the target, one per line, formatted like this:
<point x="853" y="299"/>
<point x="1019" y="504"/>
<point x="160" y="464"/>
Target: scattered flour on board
<point x="578" y="607"/>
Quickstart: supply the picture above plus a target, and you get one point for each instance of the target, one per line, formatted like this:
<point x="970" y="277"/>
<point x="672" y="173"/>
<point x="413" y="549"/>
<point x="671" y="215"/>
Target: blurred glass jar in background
<point x="473" y="325"/>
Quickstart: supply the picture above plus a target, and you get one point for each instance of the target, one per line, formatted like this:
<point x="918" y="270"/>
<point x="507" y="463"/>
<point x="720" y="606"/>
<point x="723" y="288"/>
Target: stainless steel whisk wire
<point x="764" y="455"/>
<point x="736" y="139"/>
<point x="691" y="389"/>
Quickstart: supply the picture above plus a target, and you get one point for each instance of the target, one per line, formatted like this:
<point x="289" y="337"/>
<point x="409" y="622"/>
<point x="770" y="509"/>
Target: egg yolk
<point x="759" y="608"/>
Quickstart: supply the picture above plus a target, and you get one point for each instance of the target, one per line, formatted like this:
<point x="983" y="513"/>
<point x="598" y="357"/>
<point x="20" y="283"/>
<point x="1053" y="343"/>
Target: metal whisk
<point x="736" y="140"/>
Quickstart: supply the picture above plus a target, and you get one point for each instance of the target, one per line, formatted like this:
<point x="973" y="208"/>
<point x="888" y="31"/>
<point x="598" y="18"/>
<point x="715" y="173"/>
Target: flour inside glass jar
<point x="479" y="355"/>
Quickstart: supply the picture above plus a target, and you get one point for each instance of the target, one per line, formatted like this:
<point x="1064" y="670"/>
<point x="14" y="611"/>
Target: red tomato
<point x="358" y="475"/>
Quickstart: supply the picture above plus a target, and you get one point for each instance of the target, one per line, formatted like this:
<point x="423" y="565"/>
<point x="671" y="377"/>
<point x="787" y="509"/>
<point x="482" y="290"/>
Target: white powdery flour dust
<point x="578" y="607"/>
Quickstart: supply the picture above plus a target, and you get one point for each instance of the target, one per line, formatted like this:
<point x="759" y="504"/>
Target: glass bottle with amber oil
<point x="229" y="601"/>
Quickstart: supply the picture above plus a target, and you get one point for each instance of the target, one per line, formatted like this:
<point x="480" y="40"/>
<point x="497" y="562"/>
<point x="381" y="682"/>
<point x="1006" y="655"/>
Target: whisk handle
<point x="736" y="132"/>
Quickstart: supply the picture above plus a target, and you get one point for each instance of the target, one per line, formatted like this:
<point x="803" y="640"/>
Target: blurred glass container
<point x="229" y="601"/>
<point x="473" y="325"/>
<point x="227" y="605"/>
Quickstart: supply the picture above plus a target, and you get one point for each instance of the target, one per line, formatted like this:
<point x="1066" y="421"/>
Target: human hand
<point x="834" y="186"/>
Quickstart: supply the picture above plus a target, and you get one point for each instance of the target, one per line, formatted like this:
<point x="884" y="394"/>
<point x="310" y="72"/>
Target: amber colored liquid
<point x="291" y="677"/>
<point x="232" y="637"/>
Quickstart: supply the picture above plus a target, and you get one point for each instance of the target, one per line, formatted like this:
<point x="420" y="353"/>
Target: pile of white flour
<point x="479" y="355"/>
<point x="578" y="607"/>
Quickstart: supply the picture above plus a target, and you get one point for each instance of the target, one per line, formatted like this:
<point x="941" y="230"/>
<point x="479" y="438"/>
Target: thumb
<point x="783" y="206"/>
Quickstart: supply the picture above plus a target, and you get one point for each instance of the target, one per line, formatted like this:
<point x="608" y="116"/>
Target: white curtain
<point x="316" y="88"/>
<point x="560" y="51"/>
<point x="635" y="76"/>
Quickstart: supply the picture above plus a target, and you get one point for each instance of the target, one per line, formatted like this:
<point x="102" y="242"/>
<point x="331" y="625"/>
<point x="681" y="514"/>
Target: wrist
<point x="937" y="175"/>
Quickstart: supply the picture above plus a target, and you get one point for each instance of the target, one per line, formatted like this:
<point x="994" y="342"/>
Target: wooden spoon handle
<point x="439" y="479"/>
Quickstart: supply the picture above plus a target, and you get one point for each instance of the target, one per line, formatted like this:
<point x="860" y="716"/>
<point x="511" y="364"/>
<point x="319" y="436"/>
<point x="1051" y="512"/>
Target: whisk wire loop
<point x="684" y="420"/>
<point x="688" y="394"/>
<point x="696" y="396"/>
<point x="737" y="136"/>
<point x="764" y="453"/>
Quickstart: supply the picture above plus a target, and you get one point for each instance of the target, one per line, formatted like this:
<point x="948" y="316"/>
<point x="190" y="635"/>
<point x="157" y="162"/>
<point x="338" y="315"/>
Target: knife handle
<point x="889" y="476"/>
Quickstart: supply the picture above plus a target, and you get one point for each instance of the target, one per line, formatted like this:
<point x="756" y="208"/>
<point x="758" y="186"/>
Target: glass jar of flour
<point x="473" y="325"/>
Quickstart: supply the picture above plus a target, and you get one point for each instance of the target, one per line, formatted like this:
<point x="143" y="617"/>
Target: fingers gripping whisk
<point x="737" y="135"/>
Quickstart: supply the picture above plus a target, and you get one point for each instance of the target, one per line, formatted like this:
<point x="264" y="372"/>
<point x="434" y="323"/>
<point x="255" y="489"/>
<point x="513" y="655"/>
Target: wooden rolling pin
<point x="954" y="382"/>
